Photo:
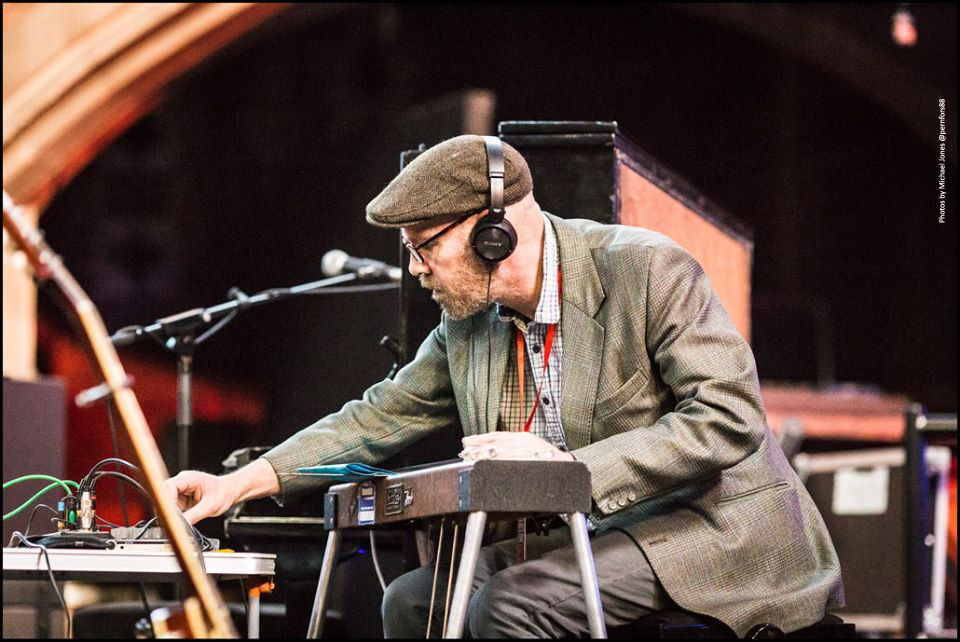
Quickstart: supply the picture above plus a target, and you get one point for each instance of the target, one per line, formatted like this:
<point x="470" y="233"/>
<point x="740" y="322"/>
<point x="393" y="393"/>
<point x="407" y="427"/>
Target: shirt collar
<point x="548" y="308"/>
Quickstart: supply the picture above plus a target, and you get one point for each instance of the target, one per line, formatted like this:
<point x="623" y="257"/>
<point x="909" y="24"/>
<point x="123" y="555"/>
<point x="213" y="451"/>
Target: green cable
<point x="62" y="482"/>
<point x="56" y="482"/>
<point x="30" y="501"/>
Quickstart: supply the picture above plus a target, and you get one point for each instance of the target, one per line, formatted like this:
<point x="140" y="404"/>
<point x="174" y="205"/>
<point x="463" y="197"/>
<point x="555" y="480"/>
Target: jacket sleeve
<point x="718" y="419"/>
<point x="391" y="415"/>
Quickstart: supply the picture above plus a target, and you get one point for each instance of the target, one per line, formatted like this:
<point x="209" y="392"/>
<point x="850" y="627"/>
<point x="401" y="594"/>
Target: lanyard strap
<point x="521" y="352"/>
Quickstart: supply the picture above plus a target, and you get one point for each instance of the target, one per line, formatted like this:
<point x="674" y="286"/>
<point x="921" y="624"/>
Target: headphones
<point x="493" y="237"/>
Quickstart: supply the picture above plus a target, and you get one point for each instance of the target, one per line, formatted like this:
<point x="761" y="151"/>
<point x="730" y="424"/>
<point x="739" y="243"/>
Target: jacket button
<point x="622" y="501"/>
<point x="632" y="497"/>
<point x="612" y="506"/>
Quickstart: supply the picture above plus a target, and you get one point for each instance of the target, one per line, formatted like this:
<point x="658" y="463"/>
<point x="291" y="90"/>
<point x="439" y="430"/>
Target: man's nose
<point x="416" y="268"/>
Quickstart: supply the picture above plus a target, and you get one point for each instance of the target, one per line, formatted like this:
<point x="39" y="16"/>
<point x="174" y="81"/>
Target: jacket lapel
<point x="582" y="334"/>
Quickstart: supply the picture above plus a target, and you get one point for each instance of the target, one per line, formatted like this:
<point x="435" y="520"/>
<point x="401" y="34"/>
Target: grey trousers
<point x="540" y="598"/>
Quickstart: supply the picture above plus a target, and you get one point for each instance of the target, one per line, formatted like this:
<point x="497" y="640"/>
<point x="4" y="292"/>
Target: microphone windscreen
<point x="333" y="262"/>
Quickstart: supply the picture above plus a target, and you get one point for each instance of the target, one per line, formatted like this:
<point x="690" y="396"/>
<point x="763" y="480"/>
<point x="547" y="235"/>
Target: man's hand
<point x="200" y="495"/>
<point x="511" y="445"/>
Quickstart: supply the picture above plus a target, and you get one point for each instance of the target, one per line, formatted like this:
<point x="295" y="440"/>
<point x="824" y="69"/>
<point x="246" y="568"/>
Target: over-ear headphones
<point x="494" y="238"/>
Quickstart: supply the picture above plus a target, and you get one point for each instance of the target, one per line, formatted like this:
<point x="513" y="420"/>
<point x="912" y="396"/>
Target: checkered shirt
<point x="546" y="421"/>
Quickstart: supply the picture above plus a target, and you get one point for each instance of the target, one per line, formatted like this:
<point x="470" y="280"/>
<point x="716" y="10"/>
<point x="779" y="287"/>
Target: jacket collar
<point x="581" y="283"/>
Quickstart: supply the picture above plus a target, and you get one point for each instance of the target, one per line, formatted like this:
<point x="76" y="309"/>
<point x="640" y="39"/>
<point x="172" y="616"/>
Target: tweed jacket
<point x="661" y="402"/>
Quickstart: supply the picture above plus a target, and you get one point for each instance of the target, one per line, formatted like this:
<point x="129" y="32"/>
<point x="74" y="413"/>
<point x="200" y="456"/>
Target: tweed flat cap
<point x="450" y="178"/>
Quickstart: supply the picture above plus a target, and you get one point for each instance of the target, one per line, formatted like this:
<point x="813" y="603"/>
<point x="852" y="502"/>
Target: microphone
<point x="337" y="262"/>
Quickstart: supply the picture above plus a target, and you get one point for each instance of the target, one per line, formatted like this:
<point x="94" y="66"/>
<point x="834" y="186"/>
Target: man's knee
<point x="496" y="610"/>
<point x="404" y="605"/>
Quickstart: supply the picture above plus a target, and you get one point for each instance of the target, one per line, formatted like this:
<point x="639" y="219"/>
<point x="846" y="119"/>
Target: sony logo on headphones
<point x="493" y="243"/>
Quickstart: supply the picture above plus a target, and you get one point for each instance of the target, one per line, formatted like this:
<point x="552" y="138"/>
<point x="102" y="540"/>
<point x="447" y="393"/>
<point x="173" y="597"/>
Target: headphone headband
<point x="494" y="238"/>
<point x="495" y="171"/>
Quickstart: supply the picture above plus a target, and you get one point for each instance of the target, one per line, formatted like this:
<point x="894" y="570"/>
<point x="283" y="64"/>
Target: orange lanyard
<point x="521" y="352"/>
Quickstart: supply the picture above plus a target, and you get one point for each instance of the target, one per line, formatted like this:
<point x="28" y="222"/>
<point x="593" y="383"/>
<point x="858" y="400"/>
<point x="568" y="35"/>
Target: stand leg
<point x="184" y="409"/>
<point x="588" y="575"/>
<point x="468" y="568"/>
<point x="315" y="629"/>
<point x="253" y="615"/>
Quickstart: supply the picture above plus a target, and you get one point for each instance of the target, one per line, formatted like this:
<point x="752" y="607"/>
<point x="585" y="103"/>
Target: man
<point x="631" y="367"/>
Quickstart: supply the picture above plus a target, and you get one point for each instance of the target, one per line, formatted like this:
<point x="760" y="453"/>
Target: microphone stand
<point x="178" y="334"/>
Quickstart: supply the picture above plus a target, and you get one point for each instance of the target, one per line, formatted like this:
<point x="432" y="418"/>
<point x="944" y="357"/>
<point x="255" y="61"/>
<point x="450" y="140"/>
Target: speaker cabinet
<point x="590" y="170"/>
<point x="34" y="421"/>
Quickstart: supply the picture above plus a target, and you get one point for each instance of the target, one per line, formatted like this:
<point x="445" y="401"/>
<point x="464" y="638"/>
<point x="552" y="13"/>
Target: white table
<point x="138" y="563"/>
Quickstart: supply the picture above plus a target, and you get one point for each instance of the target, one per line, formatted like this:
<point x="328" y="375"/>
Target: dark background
<point x="263" y="158"/>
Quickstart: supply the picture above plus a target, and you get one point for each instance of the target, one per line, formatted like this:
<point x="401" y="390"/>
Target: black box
<point x="861" y="497"/>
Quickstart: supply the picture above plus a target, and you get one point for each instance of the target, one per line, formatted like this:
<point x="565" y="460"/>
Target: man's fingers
<point x="200" y="511"/>
<point x="187" y="492"/>
<point x="191" y="515"/>
<point x="189" y="496"/>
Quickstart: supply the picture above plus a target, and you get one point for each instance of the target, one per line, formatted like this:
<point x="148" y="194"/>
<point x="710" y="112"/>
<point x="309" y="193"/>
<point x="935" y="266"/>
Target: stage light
<point x="903" y="30"/>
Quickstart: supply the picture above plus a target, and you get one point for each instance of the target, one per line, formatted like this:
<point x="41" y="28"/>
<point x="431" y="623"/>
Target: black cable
<point x="200" y="542"/>
<point x="88" y="478"/>
<point x="107" y="522"/>
<point x="103" y="462"/>
<point x="146" y="527"/>
<point x="33" y="513"/>
<point x="486" y="405"/>
<point x="205" y="543"/>
<point x="66" y="614"/>
<point x="243" y="594"/>
<point x="112" y="460"/>
<point x="146" y="607"/>
<point x="216" y="326"/>
<point x="130" y="480"/>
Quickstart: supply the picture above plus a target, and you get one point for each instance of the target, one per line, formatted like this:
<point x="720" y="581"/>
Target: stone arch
<point x="75" y="76"/>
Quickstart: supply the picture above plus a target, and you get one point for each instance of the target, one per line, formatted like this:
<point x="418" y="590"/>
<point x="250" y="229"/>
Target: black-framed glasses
<point x="415" y="249"/>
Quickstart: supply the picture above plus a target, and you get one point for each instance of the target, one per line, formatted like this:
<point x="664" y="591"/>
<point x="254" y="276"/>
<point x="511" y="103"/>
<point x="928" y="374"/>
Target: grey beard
<point x="472" y="283"/>
<point x="458" y="308"/>
<point x="471" y="301"/>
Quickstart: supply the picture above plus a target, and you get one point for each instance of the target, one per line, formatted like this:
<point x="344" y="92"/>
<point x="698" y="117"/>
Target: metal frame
<point x="920" y="428"/>
<point x="468" y="565"/>
<point x="142" y="564"/>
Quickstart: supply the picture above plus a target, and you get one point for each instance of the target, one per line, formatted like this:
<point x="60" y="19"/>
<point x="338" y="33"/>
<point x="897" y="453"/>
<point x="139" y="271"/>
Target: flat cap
<point x="450" y="178"/>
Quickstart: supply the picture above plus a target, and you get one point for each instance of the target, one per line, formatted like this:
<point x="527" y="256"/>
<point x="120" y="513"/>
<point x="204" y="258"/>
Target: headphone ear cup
<point x="494" y="241"/>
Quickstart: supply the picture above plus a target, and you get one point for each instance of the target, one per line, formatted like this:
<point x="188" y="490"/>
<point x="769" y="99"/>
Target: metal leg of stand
<point x="253" y="615"/>
<point x="588" y="575"/>
<point x="468" y="568"/>
<point x="315" y="630"/>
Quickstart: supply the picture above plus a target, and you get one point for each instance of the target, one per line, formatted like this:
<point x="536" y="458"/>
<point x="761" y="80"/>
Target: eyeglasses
<point x="415" y="249"/>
